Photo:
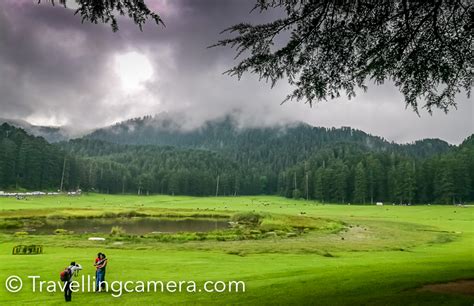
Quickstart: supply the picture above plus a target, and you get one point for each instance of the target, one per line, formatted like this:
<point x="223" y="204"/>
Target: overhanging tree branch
<point x="106" y="11"/>
<point x="337" y="46"/>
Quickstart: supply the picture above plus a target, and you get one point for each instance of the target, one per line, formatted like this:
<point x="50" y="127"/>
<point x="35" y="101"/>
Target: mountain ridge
<point x="224" y="133"/>
<point x="335" y="172"/>
<point x="170" y="123"/>
<point x="49" y="133"/>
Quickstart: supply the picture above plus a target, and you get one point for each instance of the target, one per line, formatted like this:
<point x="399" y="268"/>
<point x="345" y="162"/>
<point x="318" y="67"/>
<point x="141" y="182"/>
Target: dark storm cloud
<point x="49" y="68"/>
<point x="55" y="70"/>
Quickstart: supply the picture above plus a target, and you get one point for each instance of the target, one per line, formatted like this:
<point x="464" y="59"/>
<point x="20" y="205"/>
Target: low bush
<point x="130" y="214"/>
<point x="248" y="218"/>
<point x="62" y="231"/>
<point x="9" y="224"/>
<point x="117" y="231"/>
<point x="19" y="234"/>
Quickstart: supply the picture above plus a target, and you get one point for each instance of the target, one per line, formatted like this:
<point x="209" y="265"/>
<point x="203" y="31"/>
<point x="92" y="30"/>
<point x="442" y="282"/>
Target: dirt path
<point x="465" y="286"/>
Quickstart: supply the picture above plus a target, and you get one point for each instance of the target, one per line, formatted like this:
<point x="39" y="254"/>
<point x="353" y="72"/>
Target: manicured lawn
<point x="381" y="257"/>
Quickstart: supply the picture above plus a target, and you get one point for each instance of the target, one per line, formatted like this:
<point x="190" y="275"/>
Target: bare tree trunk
<point x="235" y="187"/>
<point x="90" y="175"/>
<point x="307" y="188"/>
<point x="294" y="178"/>
<point x="62" y="176"/>
<point x="217" y="186"/>
<point x="371" y="186"/>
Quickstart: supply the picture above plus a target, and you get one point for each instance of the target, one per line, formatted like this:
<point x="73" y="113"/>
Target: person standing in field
<point x="100" y="264"/>
<point x="103" y="266"/>
<point x="97" y="260"/>
<point x="66" y="276"/>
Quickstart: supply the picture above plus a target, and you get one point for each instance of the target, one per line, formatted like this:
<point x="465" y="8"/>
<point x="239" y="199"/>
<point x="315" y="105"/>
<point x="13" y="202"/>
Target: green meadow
<point x="286" y="251"/>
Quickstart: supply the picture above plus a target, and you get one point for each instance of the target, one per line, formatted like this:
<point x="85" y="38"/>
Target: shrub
<point x="248" y="218"/>
<point x="108" y="215"/>
<point x="280" y="233"/>
<point x="271" y="235"/>
<point x="9" y="224"/>
<point x="117" y="231"/>
<point x="130" y="214"/>
<point x="19" y="234"/>
<point x="62" y="231"/>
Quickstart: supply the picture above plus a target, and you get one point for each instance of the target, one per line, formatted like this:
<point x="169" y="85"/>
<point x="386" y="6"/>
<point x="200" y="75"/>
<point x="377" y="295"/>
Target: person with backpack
<point x="67" y="276"/>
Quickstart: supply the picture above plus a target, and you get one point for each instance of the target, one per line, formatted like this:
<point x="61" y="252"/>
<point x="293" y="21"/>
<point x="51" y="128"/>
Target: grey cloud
<point x="55" y="70"/>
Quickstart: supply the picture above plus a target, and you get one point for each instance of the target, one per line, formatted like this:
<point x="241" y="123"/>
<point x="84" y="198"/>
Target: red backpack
<point x="65" y="275"/>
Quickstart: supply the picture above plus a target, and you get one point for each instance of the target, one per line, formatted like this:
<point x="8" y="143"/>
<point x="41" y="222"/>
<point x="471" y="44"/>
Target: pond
<point x="134" y="225"/>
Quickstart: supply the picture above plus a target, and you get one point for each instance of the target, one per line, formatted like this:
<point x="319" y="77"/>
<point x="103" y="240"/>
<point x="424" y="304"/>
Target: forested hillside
<point x="27" y="161"/>
<point x="285" y="144"/>
<point x="329" y="165"/>
<point x="332" y="165"/>
<point x="153" y="169"/>
<point x="51" y="134"/>
<point x="345" y="174"/>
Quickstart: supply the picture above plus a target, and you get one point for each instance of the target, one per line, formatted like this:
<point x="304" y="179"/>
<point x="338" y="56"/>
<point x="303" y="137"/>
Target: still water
<point x="135" y="225"/>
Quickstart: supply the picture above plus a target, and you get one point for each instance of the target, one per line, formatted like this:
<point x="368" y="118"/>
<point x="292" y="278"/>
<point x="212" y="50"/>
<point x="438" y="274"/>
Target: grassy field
<point x="343" y="255"/>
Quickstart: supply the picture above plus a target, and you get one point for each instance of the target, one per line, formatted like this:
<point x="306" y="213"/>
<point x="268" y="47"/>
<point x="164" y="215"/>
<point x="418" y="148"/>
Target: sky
<point x="54" y="70"/>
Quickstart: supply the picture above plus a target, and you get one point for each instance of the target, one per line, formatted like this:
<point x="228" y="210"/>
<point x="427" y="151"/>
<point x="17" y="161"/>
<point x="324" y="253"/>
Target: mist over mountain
<point x="225" y="134"/>
<point x="50" y="133"/>
<point x="229" y="134"/>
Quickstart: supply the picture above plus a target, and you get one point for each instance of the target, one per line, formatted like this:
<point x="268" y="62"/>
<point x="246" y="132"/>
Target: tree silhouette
<point x="105" y="11"/>
<point x="329" y="48"/>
